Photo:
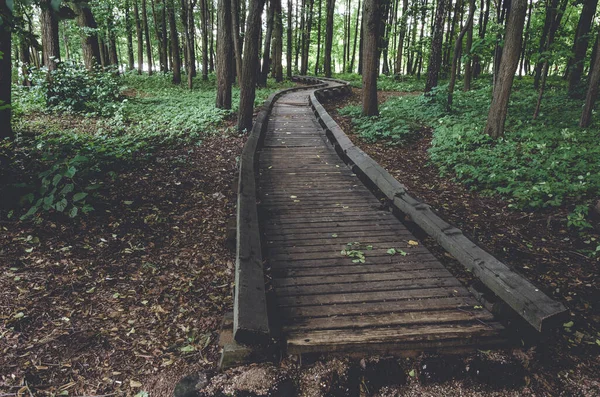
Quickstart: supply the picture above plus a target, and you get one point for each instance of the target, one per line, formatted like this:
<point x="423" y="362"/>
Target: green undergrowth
<point x="538" y="163"/>
<point x="387" y="83"/>
<point x="77" y="131"/>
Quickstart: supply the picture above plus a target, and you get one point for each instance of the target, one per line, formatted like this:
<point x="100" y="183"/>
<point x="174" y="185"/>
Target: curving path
<point x="311" y="207"/>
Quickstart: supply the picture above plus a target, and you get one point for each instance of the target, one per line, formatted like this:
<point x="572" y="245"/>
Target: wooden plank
<point x="377" y="296"/>
<point x="280" y="271"/>
<point x="436" y="317"/>
<point x="368" y="286"/>
<point x="358" y="278"/>
<point x="292" y="313"/>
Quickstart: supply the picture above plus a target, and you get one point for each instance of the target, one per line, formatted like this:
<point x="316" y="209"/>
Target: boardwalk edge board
<point x="529" y="302"/>
<point x="250" y="319"/>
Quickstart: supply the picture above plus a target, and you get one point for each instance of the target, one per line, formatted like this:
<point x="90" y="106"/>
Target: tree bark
<point x="264" y="74"/>
<point x="592" y="92"/>
<point x="306" y="38"/>
<point x="224" y="54"/>
<point x="318" y="38"/>
<point x="176" y="65"/>
<point x="204" y="29"/>
<point x="147" y="34"/>
<point x="5" y="72"/>
<point x="580" y="45"/>
<point x="435" y="56"/>
<point x="277" y="61"/>
<point x="289" y="48"/>
<point x="371" y="21"/>
<point x="457" y="51"/>
<point x="237" y="40"/>
<point x="250" y="65"/>
<point x="401" y="36"/>
<point x="129" y="35"/>
<point x="469" y="44"/>
<point x="50" y="38"/>
<point x="506" y="73"/>
<point x="140" y="37"/>
<point x="525" y="40"/>
<point x="89" y="36"/>
<point x="330" y="4"/>
<point x="356" y="34"/>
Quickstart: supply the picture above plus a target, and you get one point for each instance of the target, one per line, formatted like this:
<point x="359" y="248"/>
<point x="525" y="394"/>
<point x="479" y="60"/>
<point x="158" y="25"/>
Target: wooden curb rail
<point x="529" y="302"/>
<point x="250" y="319"/>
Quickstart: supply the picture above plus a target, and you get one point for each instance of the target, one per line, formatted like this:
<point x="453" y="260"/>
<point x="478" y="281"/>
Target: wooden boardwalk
<point x="313" y="213"/>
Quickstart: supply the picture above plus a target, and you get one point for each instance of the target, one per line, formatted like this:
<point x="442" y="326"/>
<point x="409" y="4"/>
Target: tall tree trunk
<point x="372" y="19"/>
<point x="419" y="63"/>
<point x="211" y="30"/>
<point x="204" y="32"/>
<point x="129" y="34"/>
<point x="456" y="55"/>
<point x="551" y="9"/>
<point x="164" y="36"/>
<point x="580" y="45"/>
<point x="147" y="34"/>
<point x="50" y="38"/>
<point x="298" y="32"/>
<point x="318" y="38"/>
<point x="89" y="36"/>
<point x="435" y="57"/>
<point x="224" y="54"/>
<point x="384" y="30"/>
<point x="356" y="34"/>
<point x="25" y="57"/>
<point x="176" y="65"/>
<point x="306" y="38"/>
<point x="592" y="92"/>
<point x="401" y="36"/>
<point x="5" y="71"/>
<point x="289" y="48"/>
<point x="330" y="4"/>
<point x="360" y="43"/>
<point x="469" y="45"/>
<point x="508" y="65"/>
<point x="140" y="37"/>
<point x="266" y="66"/>
<point x="188" y="44"/>
<point x="237" y="39"/>
<point x="277" y="62"/>
<point x="483" y="16"/>
<point x="250" y="66"/>
<point x="525" y="40"/>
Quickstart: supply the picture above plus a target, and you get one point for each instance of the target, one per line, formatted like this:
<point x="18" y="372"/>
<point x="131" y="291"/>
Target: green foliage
<point x="372" y="129"/>
<point x="538" y="163"/>
<point x="386" y="83"/>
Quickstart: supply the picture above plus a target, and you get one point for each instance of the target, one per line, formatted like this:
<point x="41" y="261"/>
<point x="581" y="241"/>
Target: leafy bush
<point x="538" y="163"/>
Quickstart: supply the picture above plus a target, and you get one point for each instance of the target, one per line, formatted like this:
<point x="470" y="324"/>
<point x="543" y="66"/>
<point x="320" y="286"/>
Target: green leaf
<point x="391" y="251"/>
<point x="56" y="179"/>
<point x="71" y="171"/>
<point x="61" y="205"/>
<point x="412" y="373"/>
<point x="67" y="189"/>
<point x="569" y="324"/>
<point x="73" y="212"/>
<point x="187" y="349"/>
<point x="79" y="196"/>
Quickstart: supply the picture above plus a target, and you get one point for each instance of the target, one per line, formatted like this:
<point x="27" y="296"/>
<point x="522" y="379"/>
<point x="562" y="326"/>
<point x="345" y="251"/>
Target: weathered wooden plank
<point x="436" y="317"/>
<point x="377" y="296"/>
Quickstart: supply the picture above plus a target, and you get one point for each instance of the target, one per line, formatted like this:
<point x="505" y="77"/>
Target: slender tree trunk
<point x="277" y="41"/>
<point x="401" y="36"/>
<point x="435" y="57"/>
<point x="176" y="64"/>
<point x="89" y="36"/>
<point x="508" y="65"/>
<point x="419" y="64"/>
<point x="50" y="38"/>
<point x="456" y="55"/>
<point x="250" y="66"/>
<point x="372" y="19"/>
<point x="330" y="5"/>
<point x="25" y="57"/>
<point x="306" y="38"/>
<point x="129" y="34"/>
<point x="204" y="28"/>
<point x="356" y="35"/>
<point x="224" y="54"/>
<point x="289" y="49"/>
<point x="212" y="37"/>
<point x="140" y="37"/>
<point x="188" y="45"/>
<point x="383" y="39"/>
<point x="525" y="40"/>
<point x="192" y="31"/>
<point x="147" y="34"/>
<point x="592" y="92"/>
<point x="266" y="66"/>
<point x="361" y="43"/>
<point x="580" y="45"/>
<point x="299" y="33"/>
<point x="237" y="40"/>
<point x="5" y="72"/>
<point x="469" y="44"/>
<point x="484" y="16"/>
<point x="318" y="38"/>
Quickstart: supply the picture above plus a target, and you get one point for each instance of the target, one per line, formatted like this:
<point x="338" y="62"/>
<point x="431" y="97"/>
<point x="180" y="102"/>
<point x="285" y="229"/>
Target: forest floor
<point x="128" y="299"/>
